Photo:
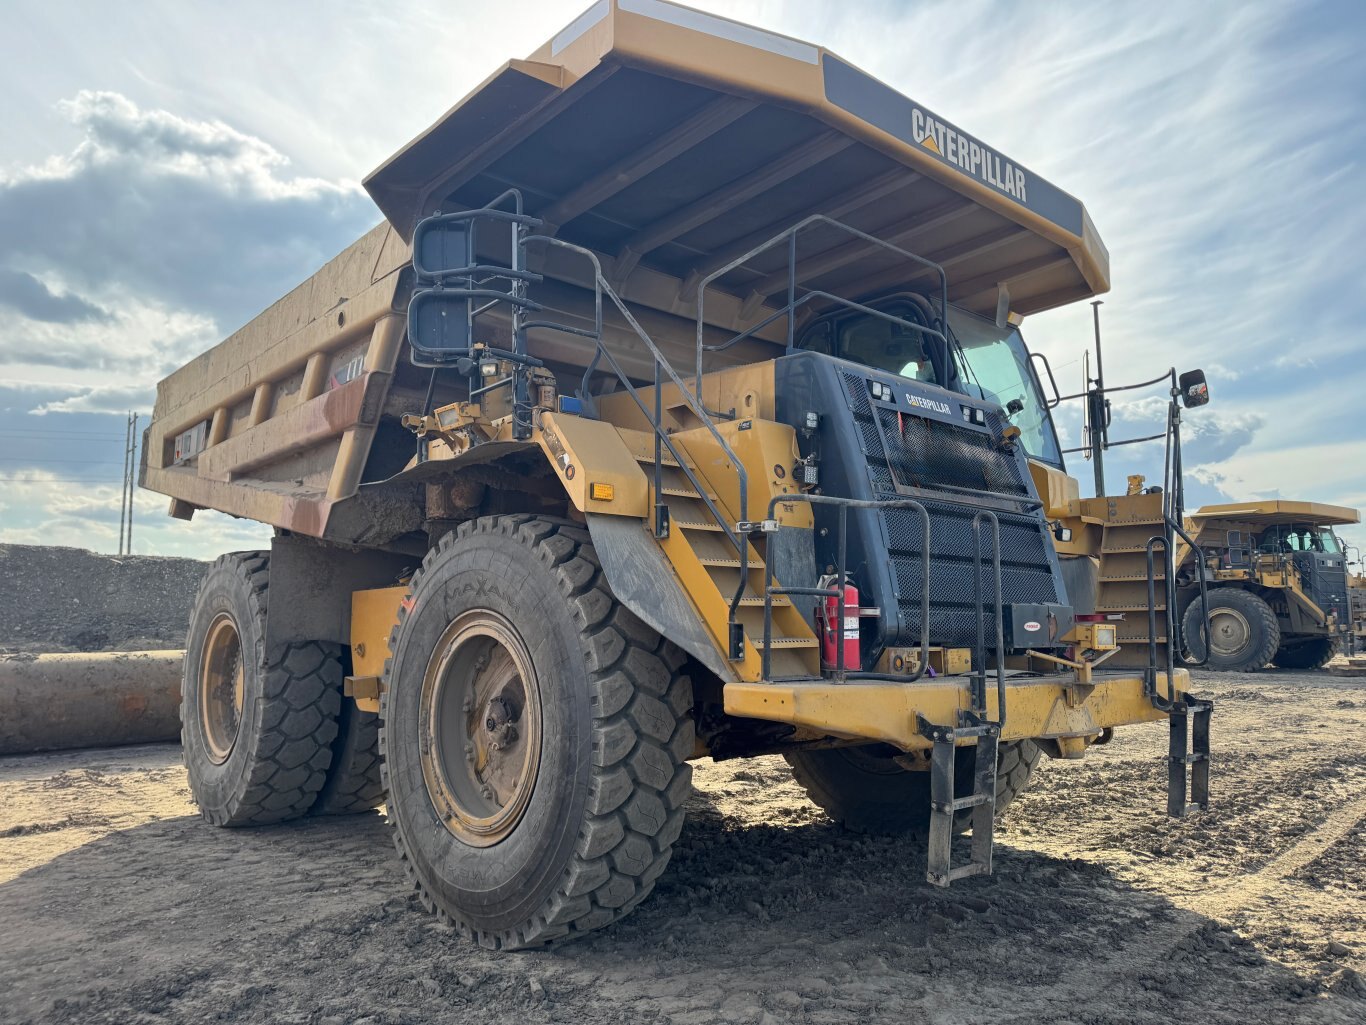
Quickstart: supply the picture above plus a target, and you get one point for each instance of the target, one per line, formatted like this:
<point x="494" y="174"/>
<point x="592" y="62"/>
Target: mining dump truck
<point x="641" y="431"/>
<point x="1278" y="584"/>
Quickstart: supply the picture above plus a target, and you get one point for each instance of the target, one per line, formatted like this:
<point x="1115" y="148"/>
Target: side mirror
<point x="1192" y="388"/>
<point x="1014" y="406"/>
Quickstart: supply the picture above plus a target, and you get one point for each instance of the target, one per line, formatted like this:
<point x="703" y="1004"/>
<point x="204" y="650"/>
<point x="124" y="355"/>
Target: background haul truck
<point x="641" y="432"/>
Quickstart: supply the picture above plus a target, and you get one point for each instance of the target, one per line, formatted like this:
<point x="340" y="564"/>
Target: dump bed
<point x="669" y="142"/>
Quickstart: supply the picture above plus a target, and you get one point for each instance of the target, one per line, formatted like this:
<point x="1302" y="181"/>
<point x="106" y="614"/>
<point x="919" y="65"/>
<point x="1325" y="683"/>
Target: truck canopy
<point x="1279" y="513"/>
<point x="672" y="141"/>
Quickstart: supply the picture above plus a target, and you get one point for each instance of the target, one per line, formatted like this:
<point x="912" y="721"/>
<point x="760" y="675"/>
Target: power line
<point x="55" y="480"/>
<point x="38" y="463"/>
<point x="95" y="435"/>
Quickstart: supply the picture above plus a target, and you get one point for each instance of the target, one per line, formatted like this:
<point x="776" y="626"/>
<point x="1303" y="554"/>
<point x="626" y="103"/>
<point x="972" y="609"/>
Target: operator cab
<point x="1298" y="537"/>
<point x="987" y="362"/>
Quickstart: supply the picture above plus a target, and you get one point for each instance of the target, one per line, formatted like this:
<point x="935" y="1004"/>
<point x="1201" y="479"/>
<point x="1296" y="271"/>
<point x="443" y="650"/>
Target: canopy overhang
<point x="673" y="140"/>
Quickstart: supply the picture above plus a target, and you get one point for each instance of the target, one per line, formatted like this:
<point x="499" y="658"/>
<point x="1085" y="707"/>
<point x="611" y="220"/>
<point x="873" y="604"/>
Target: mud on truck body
<point x="640" y="432"/>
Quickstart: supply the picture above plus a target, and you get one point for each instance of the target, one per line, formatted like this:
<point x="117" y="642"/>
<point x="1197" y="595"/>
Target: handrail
<point x="1174" y="632"/>
<point x="662" y="438"/>
<point x="844" y="505"/>
<point x="790" y="236"/>
<point x="979" y="678"/>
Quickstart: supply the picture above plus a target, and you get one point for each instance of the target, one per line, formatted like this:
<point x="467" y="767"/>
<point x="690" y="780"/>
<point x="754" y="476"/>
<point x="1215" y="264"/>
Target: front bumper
<point x="1036" y="707"/>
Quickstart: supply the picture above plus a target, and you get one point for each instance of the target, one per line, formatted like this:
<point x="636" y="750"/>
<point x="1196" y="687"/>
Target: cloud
<point x="29" y="297"/>
<point x="38" y="507"/>
<point x="183" y="214"/>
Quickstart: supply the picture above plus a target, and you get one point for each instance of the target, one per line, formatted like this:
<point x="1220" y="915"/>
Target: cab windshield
<point x="995" y="365"/>
<point x="1299" y="538"/>
<point x="989" y="363"/>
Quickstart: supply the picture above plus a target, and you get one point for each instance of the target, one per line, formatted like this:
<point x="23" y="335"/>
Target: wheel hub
<point x="222" y="685"/>
<point x="480" y="728"/>
<point x="1229" y="632"/>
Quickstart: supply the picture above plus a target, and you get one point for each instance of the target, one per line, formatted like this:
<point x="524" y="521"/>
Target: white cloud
<point x="158" y="210"/>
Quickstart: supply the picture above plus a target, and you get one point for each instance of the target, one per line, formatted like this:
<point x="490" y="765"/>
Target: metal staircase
<point x="707" y="561"/>
<point x="1131" y="521"/>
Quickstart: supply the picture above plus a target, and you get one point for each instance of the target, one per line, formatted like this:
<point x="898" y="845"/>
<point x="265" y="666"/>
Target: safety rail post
<point x="979" y="676"/>
<point x="790" y="236"/>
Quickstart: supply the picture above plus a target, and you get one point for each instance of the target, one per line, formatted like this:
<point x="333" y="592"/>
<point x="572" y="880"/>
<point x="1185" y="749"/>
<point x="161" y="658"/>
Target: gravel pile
<point x="69" y="599"/>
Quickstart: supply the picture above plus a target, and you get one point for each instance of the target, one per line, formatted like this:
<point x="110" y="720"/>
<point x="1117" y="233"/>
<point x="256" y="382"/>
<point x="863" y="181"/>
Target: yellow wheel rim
<point x="221" y="687"/>
<point x="480" y="729"/>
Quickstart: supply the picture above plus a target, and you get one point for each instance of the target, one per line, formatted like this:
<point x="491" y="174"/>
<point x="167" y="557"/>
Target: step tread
<point x="685" y="493"/>
<point x="710" y="525"/>
<point x="724" y="562"/>
<point x="784" y="642"/>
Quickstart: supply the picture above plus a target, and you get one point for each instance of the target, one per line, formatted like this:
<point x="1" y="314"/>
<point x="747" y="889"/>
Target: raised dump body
<point x="645" y="429"/>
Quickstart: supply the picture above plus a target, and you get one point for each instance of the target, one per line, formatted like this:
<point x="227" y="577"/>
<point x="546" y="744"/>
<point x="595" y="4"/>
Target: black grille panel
<point x="932" y="453"/>
<point x="928" y="454"/>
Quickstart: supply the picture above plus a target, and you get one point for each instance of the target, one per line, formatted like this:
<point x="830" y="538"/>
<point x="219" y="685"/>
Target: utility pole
<point x="1097" y="421"/>
<point x="130" y="454"/>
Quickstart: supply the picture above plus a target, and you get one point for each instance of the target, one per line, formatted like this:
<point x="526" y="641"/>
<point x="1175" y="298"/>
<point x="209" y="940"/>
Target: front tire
<point x="534" y="735"/>
<point x="256" y="726"/>
<point x="1244" y="634"/>
<point x="866" y="790"/>
<point x="1314" y="653"/>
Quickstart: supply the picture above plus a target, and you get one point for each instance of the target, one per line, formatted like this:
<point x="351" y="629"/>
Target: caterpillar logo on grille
<point x="923" y="403"/>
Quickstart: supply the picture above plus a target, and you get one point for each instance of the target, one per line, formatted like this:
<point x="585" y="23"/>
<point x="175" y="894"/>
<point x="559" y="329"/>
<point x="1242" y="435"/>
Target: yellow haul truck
<point x="595" y="458"/>
<point x="1277" y="581"/>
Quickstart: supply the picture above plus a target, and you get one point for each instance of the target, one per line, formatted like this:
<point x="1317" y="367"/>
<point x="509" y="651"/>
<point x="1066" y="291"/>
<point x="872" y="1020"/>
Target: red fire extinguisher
<point x="828" y="616"/>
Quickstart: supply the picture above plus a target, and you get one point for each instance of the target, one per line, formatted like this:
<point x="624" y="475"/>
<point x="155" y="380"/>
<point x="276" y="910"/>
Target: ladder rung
<point x="968" y="870"/>
<point x="1157" y="607"/>
<point x="780" y="601"/>
<point x="1141" y="578"/>
<point x="971" y="801"/>
<point x="722" y="562"/>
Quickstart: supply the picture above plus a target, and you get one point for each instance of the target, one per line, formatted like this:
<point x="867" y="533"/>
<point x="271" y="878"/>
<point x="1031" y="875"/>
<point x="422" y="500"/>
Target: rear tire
<point x="1314" y="653"/>
<point x="256" y="726"/>
<point x="866" y="791"/>
<point x="1243" y="630"/>
<point x="353" y="782"/>
<point x="534" y="736"/>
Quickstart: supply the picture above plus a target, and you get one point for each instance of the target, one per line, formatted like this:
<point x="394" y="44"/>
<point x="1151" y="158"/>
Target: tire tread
<point x="634" y="812"/>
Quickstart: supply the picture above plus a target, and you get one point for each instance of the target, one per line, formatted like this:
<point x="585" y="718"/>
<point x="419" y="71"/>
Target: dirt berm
<point x="69" y="599"/>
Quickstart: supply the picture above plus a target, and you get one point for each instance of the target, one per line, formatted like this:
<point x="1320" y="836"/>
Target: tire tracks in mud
<point x="1219" y="904"/>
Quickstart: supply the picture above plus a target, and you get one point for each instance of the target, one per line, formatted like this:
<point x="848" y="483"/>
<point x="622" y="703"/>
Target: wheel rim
<point x="1229" y="632"/>
<point x="481" y="728"/>
<point x="222" y="684"/>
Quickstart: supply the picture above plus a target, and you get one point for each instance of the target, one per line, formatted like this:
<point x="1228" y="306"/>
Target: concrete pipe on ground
<point x="53" y="702"/>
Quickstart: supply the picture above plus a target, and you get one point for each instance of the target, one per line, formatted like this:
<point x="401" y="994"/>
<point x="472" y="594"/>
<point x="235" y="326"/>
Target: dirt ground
<point x="118" y="905"/>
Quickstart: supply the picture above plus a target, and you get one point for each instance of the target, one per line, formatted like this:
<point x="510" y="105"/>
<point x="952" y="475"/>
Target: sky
<point x="168" y="169"/>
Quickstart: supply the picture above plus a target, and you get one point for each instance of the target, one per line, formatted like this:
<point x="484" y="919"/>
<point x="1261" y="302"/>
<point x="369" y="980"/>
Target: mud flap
<point x="642" y="579"/>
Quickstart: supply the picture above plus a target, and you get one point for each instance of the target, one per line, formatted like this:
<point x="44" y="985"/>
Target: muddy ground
<point x="118" y="905"/>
